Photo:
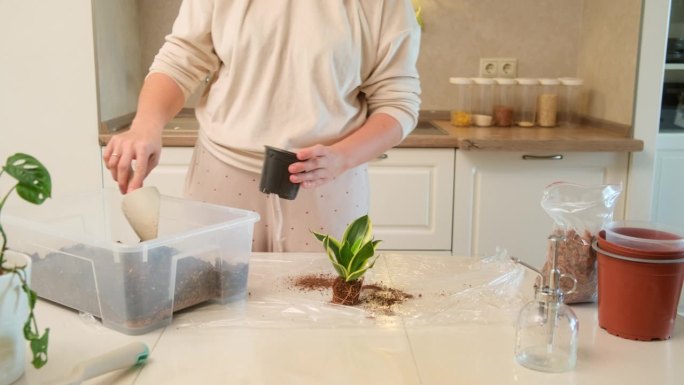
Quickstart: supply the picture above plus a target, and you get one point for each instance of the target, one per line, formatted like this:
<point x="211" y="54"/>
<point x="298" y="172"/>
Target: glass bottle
<point x="527" y="102"/>
<point x="547" y="102"/>
<point x="504" y="102"/>
<point x="571" y="89"/>
<point x="483" y="101"/>
<point x="461" y="113"/>
<point x="546" y="336"/>
<point x="546" y="330"/>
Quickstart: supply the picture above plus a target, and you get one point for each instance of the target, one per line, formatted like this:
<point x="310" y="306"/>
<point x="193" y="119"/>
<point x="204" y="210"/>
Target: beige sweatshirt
<point x="292" y="73"/>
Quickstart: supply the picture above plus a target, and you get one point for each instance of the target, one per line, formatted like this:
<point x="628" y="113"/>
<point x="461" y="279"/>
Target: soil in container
<point x="132" y="293"/>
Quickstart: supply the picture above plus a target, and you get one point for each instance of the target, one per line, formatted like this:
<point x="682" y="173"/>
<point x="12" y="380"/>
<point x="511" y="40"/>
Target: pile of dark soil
<point x="376" y="298"/>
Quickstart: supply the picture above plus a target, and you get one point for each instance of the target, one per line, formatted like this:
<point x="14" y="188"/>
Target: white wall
<point x="48" y="98"/>
<point x="608" y="57"/>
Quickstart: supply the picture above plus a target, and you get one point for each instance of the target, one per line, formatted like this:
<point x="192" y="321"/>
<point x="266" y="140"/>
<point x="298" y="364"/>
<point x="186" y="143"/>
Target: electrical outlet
<point x="489" y="68"/>
<point x="508" y="68"/>
<point x="498" y="67"/>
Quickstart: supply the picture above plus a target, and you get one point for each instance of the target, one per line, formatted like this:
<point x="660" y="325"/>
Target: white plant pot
<point x="13" y="314"/>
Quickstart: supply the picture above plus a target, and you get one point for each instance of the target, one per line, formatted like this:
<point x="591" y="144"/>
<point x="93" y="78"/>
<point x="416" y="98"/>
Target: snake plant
<point x="34" y="185"/>
<point x="354" y="254"/>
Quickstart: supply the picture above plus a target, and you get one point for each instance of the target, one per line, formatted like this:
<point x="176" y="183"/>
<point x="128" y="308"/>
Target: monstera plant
<point x="351" y="257"/>
<point x="33" y="184"/>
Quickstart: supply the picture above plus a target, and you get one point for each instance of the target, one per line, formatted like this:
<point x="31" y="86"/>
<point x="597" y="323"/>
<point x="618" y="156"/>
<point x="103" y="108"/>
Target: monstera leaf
<point x="34" y="186"/>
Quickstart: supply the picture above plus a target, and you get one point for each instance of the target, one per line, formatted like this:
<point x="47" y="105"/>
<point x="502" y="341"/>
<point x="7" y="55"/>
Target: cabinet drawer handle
<point x="382" y="156"/>
<point x="543" y="157"/>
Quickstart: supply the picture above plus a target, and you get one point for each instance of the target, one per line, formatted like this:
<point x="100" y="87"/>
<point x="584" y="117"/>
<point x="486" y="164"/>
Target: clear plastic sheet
<point x="445" y="290"/>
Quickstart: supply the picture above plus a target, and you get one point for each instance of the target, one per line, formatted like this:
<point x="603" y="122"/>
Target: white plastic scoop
<point x="134" y="353"/>
<point x="141" y="208"/>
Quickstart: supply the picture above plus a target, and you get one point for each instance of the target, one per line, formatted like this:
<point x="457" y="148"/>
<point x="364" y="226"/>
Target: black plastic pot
<point x="275" y="178"/>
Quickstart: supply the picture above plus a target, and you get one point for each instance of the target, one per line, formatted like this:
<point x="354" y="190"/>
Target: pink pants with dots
<point x="285" y="225"/>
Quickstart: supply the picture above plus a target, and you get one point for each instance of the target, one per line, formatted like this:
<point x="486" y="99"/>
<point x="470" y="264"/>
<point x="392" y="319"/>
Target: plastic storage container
<point x="483" y="101"/>
<point x="527" y="102"/>
<point x="461" y="113"/>
<point x="87" y="257"/>
<point x="504" y="102"/>
<point x="570" y="92"/>
<point x="547" y="102"/>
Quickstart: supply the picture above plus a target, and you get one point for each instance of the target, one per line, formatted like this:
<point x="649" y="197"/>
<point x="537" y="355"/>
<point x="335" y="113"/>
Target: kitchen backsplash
<point x="593" y="39"/>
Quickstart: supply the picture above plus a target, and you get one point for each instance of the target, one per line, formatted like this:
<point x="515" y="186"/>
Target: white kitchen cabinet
<point x="412" y="198"/>
<point x="668" y="201"/>
<point x="498" y="195"/>
<point x="169" y="175"/>
<point x="411" y="194"/>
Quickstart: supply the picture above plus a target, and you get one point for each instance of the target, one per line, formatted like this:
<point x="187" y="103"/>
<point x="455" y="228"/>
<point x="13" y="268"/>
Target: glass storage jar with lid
<point x="570" y="91"/>
<point x="461" y="112"/>
<point x="504" y="102"/>
<point x="483" y="101"/>
<point x="527" y="102"/>
<point x="547" y="102"/>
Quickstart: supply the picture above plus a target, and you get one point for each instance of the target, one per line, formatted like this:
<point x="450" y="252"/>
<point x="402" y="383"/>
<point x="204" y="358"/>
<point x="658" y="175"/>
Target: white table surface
<point x="462" y="353"/>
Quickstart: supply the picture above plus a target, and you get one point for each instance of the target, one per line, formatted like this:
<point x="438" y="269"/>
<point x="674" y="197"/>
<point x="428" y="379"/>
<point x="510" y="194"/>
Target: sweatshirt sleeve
<point x="393" y="86"/>
<point x="188" y="55"/>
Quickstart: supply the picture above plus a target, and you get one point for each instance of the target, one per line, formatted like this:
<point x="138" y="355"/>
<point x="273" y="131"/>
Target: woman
<point x="333" y="81"/>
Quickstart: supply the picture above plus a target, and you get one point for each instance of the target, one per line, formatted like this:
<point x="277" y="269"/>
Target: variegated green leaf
<point x="333" y="246"/>
<point x="345" y="254"/>
<point x="319" y="236"/>
<point x="358" y="232"/>
<point x="356" y="275"/>
<point x="341" y="271"/>
<point x="361" y="256"/>
<point x="328" y="243"/>
<point x="332" y="254"/>
<point x="354" y="254"/>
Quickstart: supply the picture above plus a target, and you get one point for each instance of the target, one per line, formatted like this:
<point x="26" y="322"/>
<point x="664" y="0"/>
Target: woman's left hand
<point x="317" y="166"/>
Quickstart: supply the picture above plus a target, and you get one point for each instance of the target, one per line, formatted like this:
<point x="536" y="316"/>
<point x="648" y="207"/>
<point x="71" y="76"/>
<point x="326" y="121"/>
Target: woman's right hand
<point x="160" y="100"/>
<point x="131" y="155"/>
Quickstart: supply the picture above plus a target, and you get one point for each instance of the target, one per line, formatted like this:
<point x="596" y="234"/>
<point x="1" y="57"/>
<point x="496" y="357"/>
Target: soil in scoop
<point x="132" y="292"/>
<point x="376" y="298"/>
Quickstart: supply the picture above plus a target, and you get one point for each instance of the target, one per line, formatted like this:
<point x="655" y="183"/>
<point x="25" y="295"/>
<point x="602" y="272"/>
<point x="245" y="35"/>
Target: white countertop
<point x="386" y="353"/>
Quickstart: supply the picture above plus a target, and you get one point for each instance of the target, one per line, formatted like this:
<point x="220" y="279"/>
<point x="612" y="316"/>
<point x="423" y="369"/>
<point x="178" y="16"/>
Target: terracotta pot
<point x="645" y="236"/>
<point x="13" y="314"/>
<point x="612" y="247"/>
<point x="637" y="297"/>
